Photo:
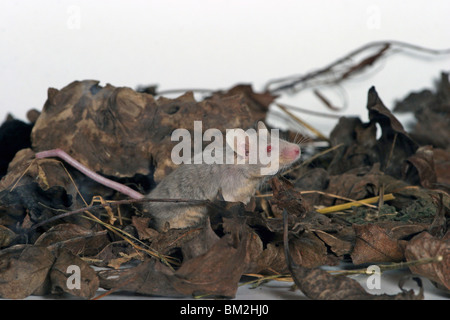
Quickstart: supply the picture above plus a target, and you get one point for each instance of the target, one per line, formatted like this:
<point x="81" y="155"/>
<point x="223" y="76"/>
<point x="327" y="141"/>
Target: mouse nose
<point x="292" y="152"/>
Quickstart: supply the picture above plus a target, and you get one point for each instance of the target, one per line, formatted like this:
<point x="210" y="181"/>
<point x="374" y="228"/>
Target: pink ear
<point x="261" y="125"/>
<point x="237" y="140"/>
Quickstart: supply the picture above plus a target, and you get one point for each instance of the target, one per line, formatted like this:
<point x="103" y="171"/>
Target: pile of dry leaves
<point x="52" y="217"/>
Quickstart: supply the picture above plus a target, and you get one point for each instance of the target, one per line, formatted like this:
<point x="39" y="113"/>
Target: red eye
<point x="269" y="149"/>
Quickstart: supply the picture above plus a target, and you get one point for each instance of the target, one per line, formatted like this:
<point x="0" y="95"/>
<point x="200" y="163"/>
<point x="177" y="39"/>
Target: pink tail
<point x="89" y="173"/>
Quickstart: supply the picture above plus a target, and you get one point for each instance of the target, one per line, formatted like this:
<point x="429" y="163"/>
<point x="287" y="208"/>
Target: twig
<point x="367" y="61"/>
<point x="311" y="112"/>
<point x="325" y="101"/>
<point x="121" y="233"/>
<point x="303" y="123"/>
<point x="70" y="240"/>
<point x="308" y="161"/>
<point x="113" y="203"/>
<point x="382" y="197"/>
<point x="383" y="267"/>
<point x="391" y="266"/>
<point x="359" y="203"/>
<point x="130" y="239"/>
<point x="261" y="279"/>
<point x="391" y="151"/>
<point x="337" y="71"/>
<point x="21" y="176"/>
<point x="352" y="203"/>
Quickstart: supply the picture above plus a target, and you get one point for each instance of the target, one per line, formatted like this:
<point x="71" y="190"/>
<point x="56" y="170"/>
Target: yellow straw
<point x="348" y="205"/>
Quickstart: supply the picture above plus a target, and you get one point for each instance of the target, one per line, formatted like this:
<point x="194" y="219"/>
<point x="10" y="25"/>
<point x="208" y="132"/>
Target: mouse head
<point x="262" y="150"/>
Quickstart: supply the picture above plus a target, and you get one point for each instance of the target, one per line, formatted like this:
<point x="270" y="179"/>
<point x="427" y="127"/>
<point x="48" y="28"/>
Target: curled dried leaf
<point x="425" y="246"/>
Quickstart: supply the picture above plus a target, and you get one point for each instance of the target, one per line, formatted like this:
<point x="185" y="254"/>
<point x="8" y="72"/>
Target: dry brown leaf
<point x="318" y="284"/>
<point x="112" y="251"/>
<point x="61" y="276"/>
<point x="75" y="238"/>
<point x="286" y="197"/>
<point x="425" y="246"/>
<point x="361" y="146"/>
<point x="373" y="244"/>
<point x="23" y="270"/>
<point x="214" y="273"/>
<point x="141" y="225"/>
<point x="6" y="236"/>
<point x="338" y="246"/>
<point x="118" y="119"/>
<point x="423" y="163"/>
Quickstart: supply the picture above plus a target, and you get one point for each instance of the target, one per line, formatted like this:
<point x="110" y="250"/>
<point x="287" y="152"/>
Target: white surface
<point x="212" y="44"/>
<point x="277" y="290"/>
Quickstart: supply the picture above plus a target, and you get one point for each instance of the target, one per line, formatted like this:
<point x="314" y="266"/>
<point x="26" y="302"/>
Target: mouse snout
<point x="291" y="153"/>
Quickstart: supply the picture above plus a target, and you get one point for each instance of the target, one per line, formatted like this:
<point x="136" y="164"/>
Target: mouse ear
<point x="237" y="140"/>
<point x="261" y="125"/>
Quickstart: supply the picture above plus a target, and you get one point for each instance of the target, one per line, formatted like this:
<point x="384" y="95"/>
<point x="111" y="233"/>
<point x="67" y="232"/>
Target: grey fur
<point x="237" y="182"/>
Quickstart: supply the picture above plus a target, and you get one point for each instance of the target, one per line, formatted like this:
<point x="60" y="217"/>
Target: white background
<point x="213" y="44"/>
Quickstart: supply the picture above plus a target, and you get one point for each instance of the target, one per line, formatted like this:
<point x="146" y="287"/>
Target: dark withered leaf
<point x="391" y="132"/>
<point x="379" y="113"/>
<point x="374" y="244"/>
<point x="310" y="251"/>
<point x="338" y="246"/>
<point x="23" y="270"/>
<point x="359" y="141"/>
<point x="442" y="168"/>
<point x="258" y="103"/>
<point x="419" y="168"/>
<point x="432" y="112"/>
<point x="269" y="259"/>
<point x="200" y="244"/>
<point x="439" y="227"/>
<point x="150" y="277"/>
<point x="37" y="190"/>
<point x="425" y="246"/>
<point x="401" y="230"/>
<point x="14" y="136"/>
<point x="286" y="197"/>
<point x="313" y="179"/>
<point x="171" y="240"/>
<point x="62" y="277"/>
<point x="260" y="258"/>
<point x="356" y="184"/>
<point x="213" y="256"/>
<point x="7" y="236"/>
<point x="142" y="227"/>
<point x="120" y="119"/>
<point x="111" y="252"/>
<point x="74" y="238"/>
<point x="318" y="284"/>
<point x="216" y="272"/>
<point x="362" y="148"/>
